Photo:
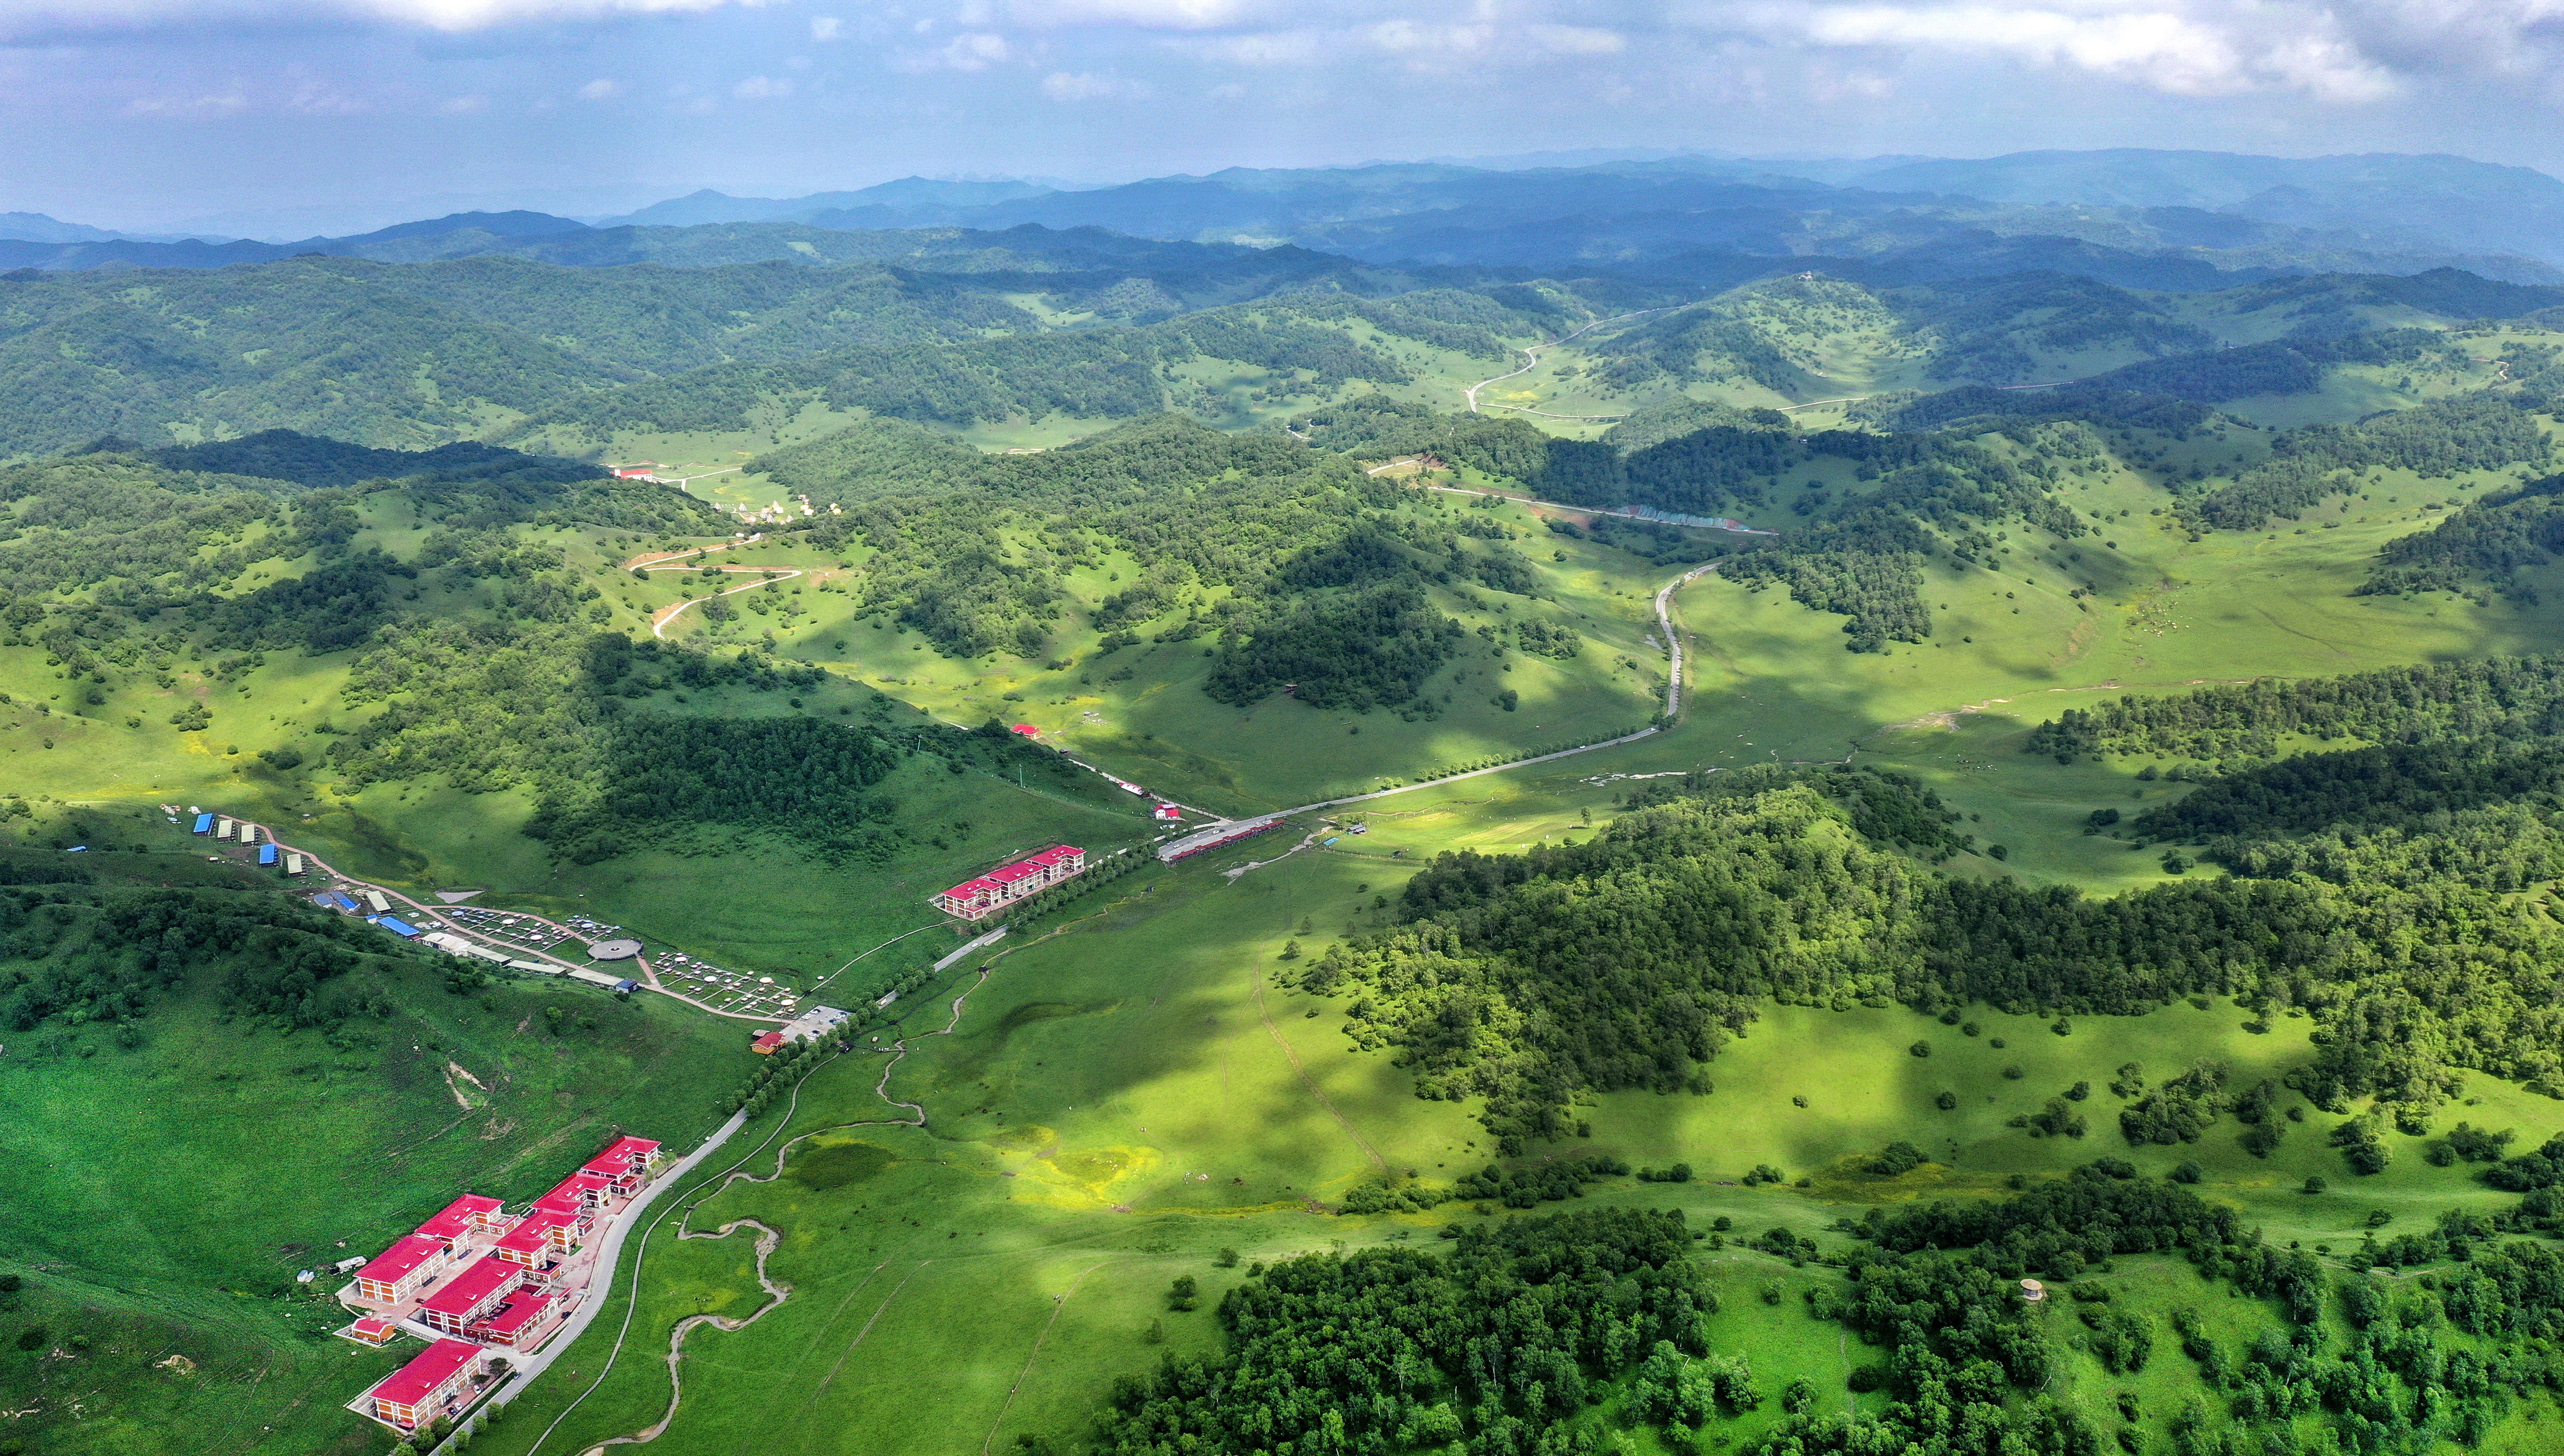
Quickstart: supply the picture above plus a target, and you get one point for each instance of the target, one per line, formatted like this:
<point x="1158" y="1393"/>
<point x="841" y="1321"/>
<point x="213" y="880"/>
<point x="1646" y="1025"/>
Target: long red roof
<point x="466" y="1290"/>
<point x="398" y="1262"/>
<point x="457" y="1216"/>
<point x="537" y="1229"/>
<point x="415" y="1382"/>
<point x="621" y="1157"/>
<point x="516" y="1315"/>
<point x="1008" y="873"/>
<point x="635" y="1149"/>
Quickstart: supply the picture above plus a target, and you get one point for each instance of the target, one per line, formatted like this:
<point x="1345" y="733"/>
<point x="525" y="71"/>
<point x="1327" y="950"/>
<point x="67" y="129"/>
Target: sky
<point x="291" y="118"/>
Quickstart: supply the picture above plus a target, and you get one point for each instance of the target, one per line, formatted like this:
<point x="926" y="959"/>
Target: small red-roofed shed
<point x="768" y="1044"/>
<point x="372" y="1330"/>
<point x="1027" y="730"/>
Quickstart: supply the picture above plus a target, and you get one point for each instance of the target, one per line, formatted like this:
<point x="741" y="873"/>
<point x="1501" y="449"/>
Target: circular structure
<point x="614" y="949"/>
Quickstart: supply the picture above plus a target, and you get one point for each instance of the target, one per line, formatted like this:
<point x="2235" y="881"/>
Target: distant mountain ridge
<point x="2137" y="218"/>
<point x="457" y="234"/>
<point x="915" y="199"/>
<point x="36" y="227"/>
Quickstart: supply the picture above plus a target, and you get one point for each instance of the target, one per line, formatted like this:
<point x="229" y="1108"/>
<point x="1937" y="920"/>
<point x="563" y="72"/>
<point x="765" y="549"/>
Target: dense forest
<point x="1629" y="960"/>
<point x="2483" y="544"/>
<point x="2513" y="697"/>
<point x="2404" y="787"/>
<point x="105" y="955"/>
<point x="1549" y="1336"/>
<point x="2436" y="441"/>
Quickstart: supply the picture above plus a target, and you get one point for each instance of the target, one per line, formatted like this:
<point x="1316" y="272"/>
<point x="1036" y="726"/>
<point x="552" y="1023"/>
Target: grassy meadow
<point x="1127" y="1097"/>
<point x="164" y="1195"/>
<point x="1127" y="1093"/>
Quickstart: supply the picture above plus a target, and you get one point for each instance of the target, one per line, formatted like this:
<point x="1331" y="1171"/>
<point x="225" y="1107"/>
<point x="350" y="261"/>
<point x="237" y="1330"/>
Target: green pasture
<point x="1130" y="1094"/>
<point x="163" y="1197"/>
<point x="1142" y="712"/>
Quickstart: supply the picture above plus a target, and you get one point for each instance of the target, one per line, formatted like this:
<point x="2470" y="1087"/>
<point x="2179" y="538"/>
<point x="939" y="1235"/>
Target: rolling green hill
<point x="2288" y="902"/>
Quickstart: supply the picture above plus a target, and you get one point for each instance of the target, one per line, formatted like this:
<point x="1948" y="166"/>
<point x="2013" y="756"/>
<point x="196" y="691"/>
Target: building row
<point x="977" y="899"/>
<point x="1205" y="840"/>
<point x="484" y="1281"/>
<point x="271" y="855"/>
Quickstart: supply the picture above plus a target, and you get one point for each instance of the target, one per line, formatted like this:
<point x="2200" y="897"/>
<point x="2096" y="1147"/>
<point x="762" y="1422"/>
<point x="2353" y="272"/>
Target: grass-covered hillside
<point x="212" y="1086"/>
<point x="2265" y="948"/>
<point x="1027" y="337"/>
<point x="1249" y="1122"/>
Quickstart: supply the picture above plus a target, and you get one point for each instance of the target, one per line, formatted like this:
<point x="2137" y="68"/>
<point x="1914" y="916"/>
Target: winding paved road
<point x="1531" y="361"/>
<point x="1673" y="710"/>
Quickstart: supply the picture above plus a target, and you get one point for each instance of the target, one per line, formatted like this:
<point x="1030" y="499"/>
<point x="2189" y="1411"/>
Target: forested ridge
<point x="1629" y="960"/>
<point x="1300" y="571"/>
<point x="420" y="354"/>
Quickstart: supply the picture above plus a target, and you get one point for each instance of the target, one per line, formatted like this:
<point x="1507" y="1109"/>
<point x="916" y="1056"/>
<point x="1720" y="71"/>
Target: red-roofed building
<point x="372" y="1330"/>
<point x="1028" y="730"/>
<point x="470" y="1295"/>
<point x="766" y="1043"/>
<point x="429" y="1387"/>
<point x="619" y="1184"/>
<point x="568" y="1204"/>
<point x="469" y="1213"/>
<point x="976" y="899"/>
<point x="587" y="1187"/>
<point x="399" y="1271"/>
<point x="538" y="1236"/>
<point x="625" y="1166"/>
<point x="637" y="1153"/>
<point x="522" y="1322"/>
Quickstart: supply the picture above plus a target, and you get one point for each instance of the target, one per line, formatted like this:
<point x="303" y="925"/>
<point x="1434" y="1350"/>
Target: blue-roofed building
<point x="267" y="855"/>
<point x="325" y="900"/>
<point x="204" y="823"/>
<point x="403" y="928"/>
<point x="338" y="899"/>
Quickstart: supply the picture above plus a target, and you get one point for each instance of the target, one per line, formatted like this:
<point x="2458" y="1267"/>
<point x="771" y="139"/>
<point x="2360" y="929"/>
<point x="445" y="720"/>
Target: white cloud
<point x="1144" y="14"/>
<point x="972" y="50"/>
<point x="470" y="105"/>
<point x="1577" y="40"/>
<point x="601" y="89"/>
<point x="1419" y="37"/>
<point x="1266" y="48"/>
<point x="762" y="89"/>
<point x="314" y="100"/>
<point x="2220" y="51"/>
<point x="1063" y="85"/>
<point x="2333" y="51"/>
<point x="219" y="103"/>
<point x="39" y="17"/>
